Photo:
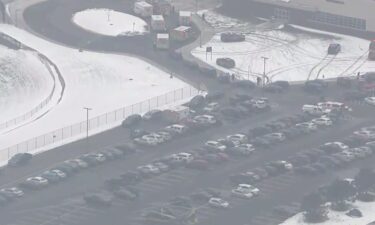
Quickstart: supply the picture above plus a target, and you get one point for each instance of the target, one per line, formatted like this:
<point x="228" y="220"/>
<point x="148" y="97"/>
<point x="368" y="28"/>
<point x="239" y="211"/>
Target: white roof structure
<point x="143" y="4"/>
<point x="185" y="13"/>
<point x="157" y="18"/>
<point x="162" y="36"/>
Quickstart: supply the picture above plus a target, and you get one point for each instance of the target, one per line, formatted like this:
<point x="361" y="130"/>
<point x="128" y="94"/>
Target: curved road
<point x="52" y="20"/>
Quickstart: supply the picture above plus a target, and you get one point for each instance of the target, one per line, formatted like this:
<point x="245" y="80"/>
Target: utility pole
<point x="248" y="72"/>
<point x="87" y="124"/>
<point x="264" y="69"/>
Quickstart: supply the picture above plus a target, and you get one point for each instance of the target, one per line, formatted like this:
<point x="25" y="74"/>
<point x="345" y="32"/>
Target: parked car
<point x="126" y="193"/>
<point x="370" y="100"/>
<point x="153" y="115"/>
<point x="334" y="49"/>
<point x="274" y="137"/>
<point x="131" y="121"/>
<point x="322" y="121"/>
<point x="11" y="193"/>
<point x="214" y="145"/>
<point x="34" y="183"/>
<point x="237" y="138"/>
<point x="283" y="84"/>
<point x="242" y="149"/>
<point x="232" y="37"/>
<point x="334" y="147"/>
<point x="272" y="88"/>
<point x="227" y="63"/>
<point x="99" y="199"/>
<point x="53" y="176"/>
<point x="241" y="193"/>
<point x="20" y="159"/>
<point x="148" y="170"/>
<point x="218" y="203"/>
<point x="176" y="129"/>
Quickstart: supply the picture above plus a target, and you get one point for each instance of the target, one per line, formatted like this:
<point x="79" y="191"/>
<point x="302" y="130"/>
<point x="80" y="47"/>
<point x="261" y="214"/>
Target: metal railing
<point x="107" y="120"/>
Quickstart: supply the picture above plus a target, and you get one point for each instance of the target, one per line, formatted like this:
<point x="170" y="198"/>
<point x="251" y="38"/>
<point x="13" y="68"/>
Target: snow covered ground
<point x="292" y="56"/>
<point x="103" y="82"/>
<point x="109" y="22"/>
<point x="24" y="82"/>
<point x="339" y="218"/>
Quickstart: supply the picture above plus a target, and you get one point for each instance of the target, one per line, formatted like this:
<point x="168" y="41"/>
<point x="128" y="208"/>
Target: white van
<point x="314" y="110"/>
<point x="333" y="106"/>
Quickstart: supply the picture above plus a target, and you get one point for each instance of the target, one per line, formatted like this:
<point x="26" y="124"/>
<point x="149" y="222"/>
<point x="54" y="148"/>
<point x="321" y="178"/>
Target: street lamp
<point x="87" y="123"/>
<point x="248" y="72"/>
<point x="264" y="69"/>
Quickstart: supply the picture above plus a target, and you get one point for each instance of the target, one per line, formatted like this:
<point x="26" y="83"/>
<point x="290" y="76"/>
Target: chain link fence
<point x="106" y="120"/>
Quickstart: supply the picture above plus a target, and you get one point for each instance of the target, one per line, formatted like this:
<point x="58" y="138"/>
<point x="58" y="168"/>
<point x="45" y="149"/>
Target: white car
<point x="37" y="181"/>
<point x="250" y="188"/>
<point x="215" y="146"/>
<point x="187" y="157"/>
<point x="146" y="140"/>
<point x="285" y="164"/>
<point x="176" y="128"/>
<point x="309" y="125"/>
<point x="149" y="169"/>
<point x="337" y="144"/>
<point x="218" y="203"/>
<point x="166" y="136"/>
<point x="245" y="148"/>
<point x="242" y="193"/>
<point x="205" y="120"/>
<point x="59" y="173"/>
<point x="322" y="121"/>
<point x="277" y="136"/>
<point x="237" y="138"/>
<point x="12" y="192"/>
<point x="367" y="134"/>
<point x="370" y="100"/>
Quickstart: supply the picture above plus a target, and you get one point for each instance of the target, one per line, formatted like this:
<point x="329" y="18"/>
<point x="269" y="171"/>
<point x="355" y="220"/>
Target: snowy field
<point x="110" y="23"/>
<point x="24" y="82"/>
<point x="292" y="56"/>
<point x="103" y="82"/>
<point x="339" y="218"/>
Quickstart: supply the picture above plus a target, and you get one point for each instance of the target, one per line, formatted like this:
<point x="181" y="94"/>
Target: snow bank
<point x="339" y="218"/>
<point x="109" y="22"/>
<point x="292" y="56"/>
<point x="104" y="82"/>
<point x="24" y="82"/>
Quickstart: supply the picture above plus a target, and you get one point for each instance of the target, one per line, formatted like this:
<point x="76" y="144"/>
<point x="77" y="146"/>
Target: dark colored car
<point x="259" y="131"/>
<point x="246" y="84"/>
<point x="334" y="49"/>
<point x="272" y="88"/>
<point x="197" y="102"/>
<point x="20" y="159"/>
<point x="127" y="149"/>
<point x="98" y="199"/>
<point x="227" y="63"/>
<point x="283" y="84"/>
<point x="232" y="37"/>
<point x="131" y="121"/>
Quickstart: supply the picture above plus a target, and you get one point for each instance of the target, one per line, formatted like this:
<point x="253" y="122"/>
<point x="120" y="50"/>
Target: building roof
<point x="182" y="28"/>
<point x="157" y="17"/>
<point x="162" y="36"/>
<point x="143" y="4"/>
<point x="185" y="13"/>
<point x="352" y="8"/>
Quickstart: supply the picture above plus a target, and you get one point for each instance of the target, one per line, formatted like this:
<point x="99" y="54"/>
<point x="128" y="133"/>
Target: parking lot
<point x="70" y="201"/>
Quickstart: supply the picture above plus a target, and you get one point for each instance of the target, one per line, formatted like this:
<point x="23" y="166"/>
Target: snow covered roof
<point x="162" y="36"/>
<point x="185" y="13"/>
<point x="143" y="4"/>
<point x="157" y="17"/>
<point x="182" y="28"/>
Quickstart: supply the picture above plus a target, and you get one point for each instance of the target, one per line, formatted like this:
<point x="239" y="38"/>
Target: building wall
<point x="345" y="16"/>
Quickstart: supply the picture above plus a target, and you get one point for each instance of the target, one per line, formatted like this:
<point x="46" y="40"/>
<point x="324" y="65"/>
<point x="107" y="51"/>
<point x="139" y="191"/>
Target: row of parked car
<point x="331" y="155"/>
<point x="60" y="172"/>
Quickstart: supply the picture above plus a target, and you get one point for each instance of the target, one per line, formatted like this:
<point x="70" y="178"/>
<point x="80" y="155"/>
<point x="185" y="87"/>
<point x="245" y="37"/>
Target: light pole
<point x="248" y="72"/>
<point x="87" y="123"/>
<point x="264" y="69"/>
